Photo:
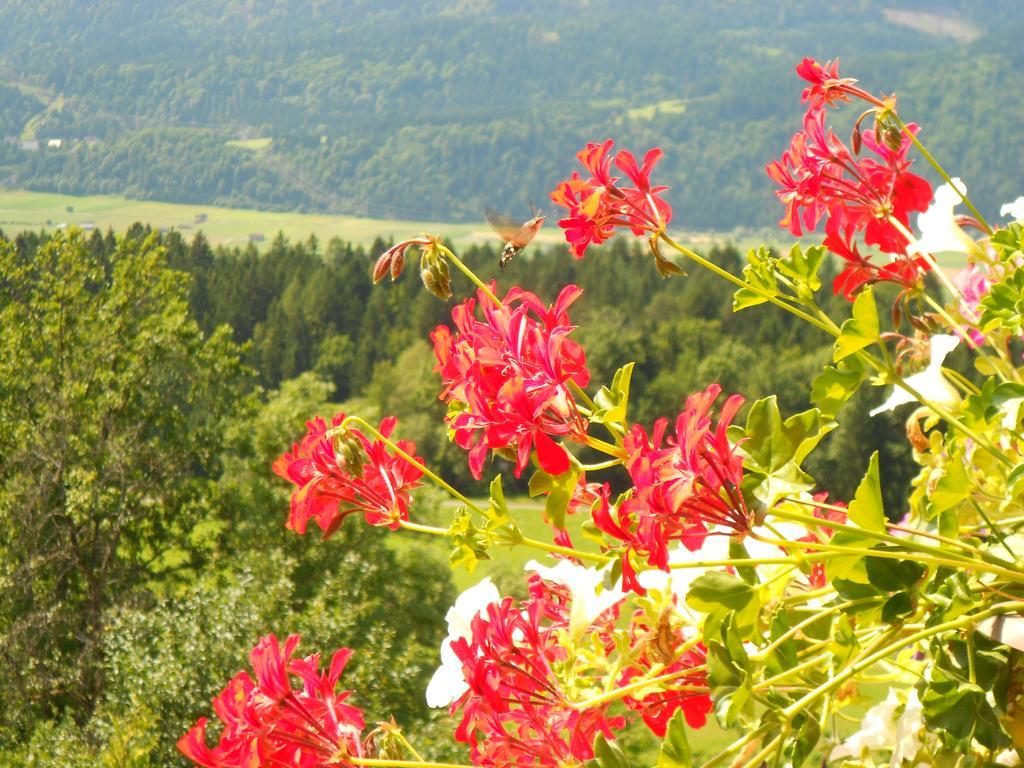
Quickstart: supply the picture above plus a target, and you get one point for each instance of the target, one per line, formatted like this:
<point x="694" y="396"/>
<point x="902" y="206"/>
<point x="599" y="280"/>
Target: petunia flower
<point x="930" y="383"/>
<point x="939" y="230"/>
<point x="883" y="729"/>
<point x="338" y="472"/>
<point x="1015" y="209"/>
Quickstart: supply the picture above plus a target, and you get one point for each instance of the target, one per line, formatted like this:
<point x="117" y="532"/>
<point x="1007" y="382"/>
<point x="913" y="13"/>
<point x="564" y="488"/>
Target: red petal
<point x="552" y="457"/>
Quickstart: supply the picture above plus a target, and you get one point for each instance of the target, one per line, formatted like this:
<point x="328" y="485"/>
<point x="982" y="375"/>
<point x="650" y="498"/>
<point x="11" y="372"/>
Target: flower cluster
<point x="507" y="378"/>
<point x="521" y="704"/>
<point x="681" y="487"/>
<point x="873" y="196"/>
<point x="598" y="205"/>
<point x="268" y="722"/>
<point x="339" y="470"/>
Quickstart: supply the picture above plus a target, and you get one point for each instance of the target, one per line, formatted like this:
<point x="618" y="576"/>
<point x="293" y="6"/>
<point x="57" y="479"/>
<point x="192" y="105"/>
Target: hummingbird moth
<point x="517" y="235"/>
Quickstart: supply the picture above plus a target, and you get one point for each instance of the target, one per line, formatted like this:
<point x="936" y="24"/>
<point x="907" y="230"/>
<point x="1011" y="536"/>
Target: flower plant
<point x="722" y="582"/>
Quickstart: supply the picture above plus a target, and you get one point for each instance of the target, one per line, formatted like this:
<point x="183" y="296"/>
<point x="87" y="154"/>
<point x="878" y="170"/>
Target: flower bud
<point x="350" y="453"/>
<point x="382" y="267"/>
<point x="436" y="278"/>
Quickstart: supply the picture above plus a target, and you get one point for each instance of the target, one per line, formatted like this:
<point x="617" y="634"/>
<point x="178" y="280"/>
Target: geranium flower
<point x="598" y="205"/>
<point x="506" y="378"/>
<point x="588" y="598"/>
<point x="270" y="722"/>
<point x="338" y="472"/>
<point x="681" y="487"/>
<point x="448" y="684"/>
<point x="826" y="87"/>
<point x="518" y="708"/>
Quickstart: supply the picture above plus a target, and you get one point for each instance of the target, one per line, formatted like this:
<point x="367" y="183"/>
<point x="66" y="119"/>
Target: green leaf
<point x="891" y="575"/>
<point x="500" y="523"/>
<point x="953" y="487"/>
<point x="607" y="754"/>
<point x="859" y="331"/>
<point x="559" y="490"/>
<point x="759" y="273"/>
<point x="835" y="385"/>
<point x="802" y="268"/>
<point x="612" y="403"/>
<point x="717" y="593"/>
<point x="675" y="749"/>
<point x="896" y="607"/>
<point x="867" y="510"/>
<point x="775" y="448"/>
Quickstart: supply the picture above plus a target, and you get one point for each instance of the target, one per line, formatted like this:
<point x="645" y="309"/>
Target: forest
<point x="433" y="111"/>
<point x="147" y="383"/>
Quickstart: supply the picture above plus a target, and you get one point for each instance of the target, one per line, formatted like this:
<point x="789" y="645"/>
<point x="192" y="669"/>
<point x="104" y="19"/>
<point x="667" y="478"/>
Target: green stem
<point x="543" y="546"/>
<point x="766" y="295"/>
<point x="942" y="172"/>
<point x="469" y="273"/>
<point x="996" y="531"/>
<point x="904" y="543"/>
<point x="817" y="616"/>
<point x="870" y="660"/>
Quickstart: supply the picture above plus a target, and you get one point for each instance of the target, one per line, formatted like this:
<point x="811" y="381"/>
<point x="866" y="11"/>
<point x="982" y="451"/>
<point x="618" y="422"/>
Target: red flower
<point x="681" y="488"/>
<point x="339" y="472"/>
<point x="827" y="88"/>
<point x="517" y="710"/>
<point x="820" y="178"/>
<point x="817" y="578"/>
<point x="598" y="205"/>
<point x="270" y="723"/>
<point x="506" y="378"/>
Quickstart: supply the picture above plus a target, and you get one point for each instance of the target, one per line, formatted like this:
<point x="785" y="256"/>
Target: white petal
<point x="939" y="230"/>
<point x="1014" y="209"/>
<point x="467" y="605"/>
<point x="446" y="686"/>
<point x="930" y="383"/>
<point x="589" y="596"/>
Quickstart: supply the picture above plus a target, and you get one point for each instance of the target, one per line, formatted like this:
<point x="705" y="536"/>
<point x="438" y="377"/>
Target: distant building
<point x="256" y="237"/>
<point x="88" y="226"/>
<point x="200" y="218"/>
<point x="30" y="145"/>
<point x="55" y="143"/>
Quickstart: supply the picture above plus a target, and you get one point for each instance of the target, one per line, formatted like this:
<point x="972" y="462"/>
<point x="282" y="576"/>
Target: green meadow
<point x="23" y="210"/>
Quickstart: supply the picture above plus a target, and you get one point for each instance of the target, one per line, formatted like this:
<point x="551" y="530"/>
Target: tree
<point x="112" y="403"/>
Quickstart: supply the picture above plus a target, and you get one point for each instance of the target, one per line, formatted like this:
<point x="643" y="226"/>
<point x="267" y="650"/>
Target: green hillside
<point x="432" y="111"/>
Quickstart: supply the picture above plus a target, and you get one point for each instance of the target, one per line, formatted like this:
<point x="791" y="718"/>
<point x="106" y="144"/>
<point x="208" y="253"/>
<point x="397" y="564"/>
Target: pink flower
<point x="597" y="206"/>
<point x="973" y="284"/>
<point x="338" y="472"/>
<point x="271" y="723"/>
<point x="681" y="487"/>
<point x="506" y="378"/>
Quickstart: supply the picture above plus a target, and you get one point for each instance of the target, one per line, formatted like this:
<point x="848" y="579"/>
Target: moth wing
<point x="507" y="227"/>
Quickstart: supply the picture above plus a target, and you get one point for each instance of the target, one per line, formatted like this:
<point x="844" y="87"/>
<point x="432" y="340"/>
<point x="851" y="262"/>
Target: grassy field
<point x="22" y="210"/>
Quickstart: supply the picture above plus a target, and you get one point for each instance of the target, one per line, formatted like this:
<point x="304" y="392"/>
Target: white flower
<point x="908" y="730"/>
<point x="1014" y="209"/>
<point x="448" y="684"/>
<point x="589" y="597"/>
<point x="1008" y="757"/>
<point x="882" y="729"/>
<point x="930" y="383"/>
<point x="939" y="230"/>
